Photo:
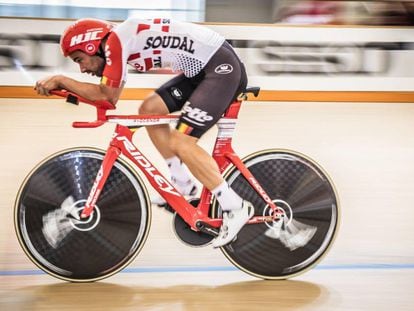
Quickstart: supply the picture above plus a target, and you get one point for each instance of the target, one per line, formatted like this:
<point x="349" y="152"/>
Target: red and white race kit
<point x="197" y="52"/>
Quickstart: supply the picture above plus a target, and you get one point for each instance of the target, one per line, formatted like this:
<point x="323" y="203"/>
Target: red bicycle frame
<point x="196" y="217"/>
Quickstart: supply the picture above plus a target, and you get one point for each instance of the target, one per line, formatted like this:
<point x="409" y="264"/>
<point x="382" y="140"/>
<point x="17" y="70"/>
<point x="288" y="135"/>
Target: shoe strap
<point x="180" y="183"/>
<point x="184" y="187"/>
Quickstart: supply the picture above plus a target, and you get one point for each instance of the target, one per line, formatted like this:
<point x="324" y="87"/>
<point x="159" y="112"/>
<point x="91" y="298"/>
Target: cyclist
<point x="209" y="77"/>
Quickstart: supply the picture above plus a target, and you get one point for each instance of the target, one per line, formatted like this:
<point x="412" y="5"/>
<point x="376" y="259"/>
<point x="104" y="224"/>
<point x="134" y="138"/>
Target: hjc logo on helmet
<point x="85" y="37"/>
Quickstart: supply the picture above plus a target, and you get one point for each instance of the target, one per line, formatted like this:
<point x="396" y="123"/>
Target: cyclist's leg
<point x="162" y="102"/>
<point x="200" y="163"/>
<point x="168" y="98"/>
<point x="224" y="78"/>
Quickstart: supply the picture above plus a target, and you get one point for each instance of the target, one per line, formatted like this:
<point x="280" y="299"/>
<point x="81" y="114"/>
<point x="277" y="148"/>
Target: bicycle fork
<point x="110" y="157"/>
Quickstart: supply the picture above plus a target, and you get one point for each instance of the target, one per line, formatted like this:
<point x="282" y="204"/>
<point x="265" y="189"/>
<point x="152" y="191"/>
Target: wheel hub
<point x="84" y="224"/>
<point x="283" y="208"/>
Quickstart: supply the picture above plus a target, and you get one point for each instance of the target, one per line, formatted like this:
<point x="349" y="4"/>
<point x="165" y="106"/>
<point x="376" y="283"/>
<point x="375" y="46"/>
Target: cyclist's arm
<point x="87" y="90"/>
<point x="92" y="91"/>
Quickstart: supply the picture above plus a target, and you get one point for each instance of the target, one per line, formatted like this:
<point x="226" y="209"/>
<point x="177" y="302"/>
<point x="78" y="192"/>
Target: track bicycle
<point x="84" y="214"/>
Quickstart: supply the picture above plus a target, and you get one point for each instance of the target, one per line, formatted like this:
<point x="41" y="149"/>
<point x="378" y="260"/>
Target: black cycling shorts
<point x="204" y="98"/>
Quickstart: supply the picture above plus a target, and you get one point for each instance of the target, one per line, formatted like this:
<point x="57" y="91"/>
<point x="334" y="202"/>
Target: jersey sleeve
<point x="115" y="69"/>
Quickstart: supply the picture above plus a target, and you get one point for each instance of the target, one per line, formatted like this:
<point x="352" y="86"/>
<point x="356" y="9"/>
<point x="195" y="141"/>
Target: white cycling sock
<point x="227" y="198"/>
<point x="178" y="170"/>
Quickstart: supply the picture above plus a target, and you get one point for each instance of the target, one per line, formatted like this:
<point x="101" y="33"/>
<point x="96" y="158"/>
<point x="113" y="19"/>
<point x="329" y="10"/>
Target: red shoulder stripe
<point x="148" y="63"/>
<point x="134" y="56"/>
<point x="142" y="27"/>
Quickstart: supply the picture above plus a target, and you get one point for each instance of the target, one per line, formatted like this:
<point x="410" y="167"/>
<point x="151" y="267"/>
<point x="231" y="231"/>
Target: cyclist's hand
<point x="43" y="87"/>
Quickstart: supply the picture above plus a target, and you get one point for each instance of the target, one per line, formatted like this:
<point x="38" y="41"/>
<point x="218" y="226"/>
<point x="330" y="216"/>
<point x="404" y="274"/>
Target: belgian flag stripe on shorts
<point x="184" y="128"/>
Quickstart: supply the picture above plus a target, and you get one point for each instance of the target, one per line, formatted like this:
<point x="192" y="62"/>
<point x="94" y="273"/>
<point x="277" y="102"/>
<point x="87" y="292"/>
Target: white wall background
<point x="361" y="60"/>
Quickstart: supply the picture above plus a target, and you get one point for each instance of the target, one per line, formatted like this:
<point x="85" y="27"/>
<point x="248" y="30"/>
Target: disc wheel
<point x="57" y="240"/>
<point x="294" y="244"/>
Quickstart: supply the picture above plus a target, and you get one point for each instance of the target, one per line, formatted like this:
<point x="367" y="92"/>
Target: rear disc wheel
<point x="308" y="199"/>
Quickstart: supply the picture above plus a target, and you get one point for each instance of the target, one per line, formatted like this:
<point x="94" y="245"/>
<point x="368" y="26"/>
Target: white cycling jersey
<point x="158" y="43"/>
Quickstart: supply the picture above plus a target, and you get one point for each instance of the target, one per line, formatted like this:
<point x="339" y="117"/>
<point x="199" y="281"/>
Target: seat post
<point x="233" y="110"/>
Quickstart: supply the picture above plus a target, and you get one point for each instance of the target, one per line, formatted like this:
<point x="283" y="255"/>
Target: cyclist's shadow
<point x="249" y="295"/>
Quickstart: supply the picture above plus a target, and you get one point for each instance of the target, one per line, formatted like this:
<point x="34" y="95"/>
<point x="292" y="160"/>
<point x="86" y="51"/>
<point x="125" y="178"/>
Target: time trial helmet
<point x="85" y="35"/>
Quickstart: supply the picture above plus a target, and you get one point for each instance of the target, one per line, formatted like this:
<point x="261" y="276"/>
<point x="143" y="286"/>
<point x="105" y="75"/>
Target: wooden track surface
<point x="368" y="149"/>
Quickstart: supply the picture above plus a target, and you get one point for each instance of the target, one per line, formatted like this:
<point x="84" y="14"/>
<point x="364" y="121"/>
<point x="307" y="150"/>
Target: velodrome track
<point x="366" y="147"/>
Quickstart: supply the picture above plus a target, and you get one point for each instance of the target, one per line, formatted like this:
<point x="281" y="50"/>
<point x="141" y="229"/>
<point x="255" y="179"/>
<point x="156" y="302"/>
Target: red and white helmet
<point x="85" y="35"/>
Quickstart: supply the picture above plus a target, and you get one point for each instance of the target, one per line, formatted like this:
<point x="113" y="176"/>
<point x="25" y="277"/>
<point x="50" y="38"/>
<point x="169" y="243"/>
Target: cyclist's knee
<point x="153" y="104"/>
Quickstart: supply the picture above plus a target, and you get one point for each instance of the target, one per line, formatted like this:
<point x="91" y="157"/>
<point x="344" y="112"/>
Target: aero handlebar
<point x="101" y="107"/>
<point x="75" y="99"/>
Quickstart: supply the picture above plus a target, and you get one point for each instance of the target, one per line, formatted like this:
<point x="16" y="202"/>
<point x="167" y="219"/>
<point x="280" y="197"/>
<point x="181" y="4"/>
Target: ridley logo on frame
<point x="149" y="168"/>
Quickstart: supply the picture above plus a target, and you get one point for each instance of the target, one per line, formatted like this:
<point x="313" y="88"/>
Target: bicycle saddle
<point x="253" y="89"/>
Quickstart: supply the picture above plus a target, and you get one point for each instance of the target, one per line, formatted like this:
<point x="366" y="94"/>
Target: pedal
<point x="206" y="228"/>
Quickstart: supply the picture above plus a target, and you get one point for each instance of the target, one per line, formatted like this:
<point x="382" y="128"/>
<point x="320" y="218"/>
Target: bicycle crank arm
<point x="206" y="228"/>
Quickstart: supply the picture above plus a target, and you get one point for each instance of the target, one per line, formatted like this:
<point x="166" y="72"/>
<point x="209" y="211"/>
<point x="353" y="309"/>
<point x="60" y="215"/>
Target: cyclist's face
<point x="93" y="65"/>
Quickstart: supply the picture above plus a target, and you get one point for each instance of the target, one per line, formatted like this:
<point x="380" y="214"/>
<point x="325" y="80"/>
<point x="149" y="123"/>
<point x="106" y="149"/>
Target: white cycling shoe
<point x="233" y="221"/>
<point x="188" y="189"/>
